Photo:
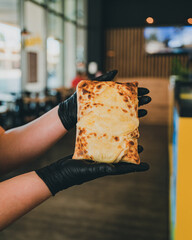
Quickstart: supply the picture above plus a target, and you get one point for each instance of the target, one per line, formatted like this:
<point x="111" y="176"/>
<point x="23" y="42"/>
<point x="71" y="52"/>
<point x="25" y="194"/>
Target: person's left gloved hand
<point x="68" y="109"/>
<point x="68" y="172"/>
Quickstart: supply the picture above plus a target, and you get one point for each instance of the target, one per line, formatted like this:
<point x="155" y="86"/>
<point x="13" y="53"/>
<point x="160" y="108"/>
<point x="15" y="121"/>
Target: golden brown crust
<point x="103" y="128"/>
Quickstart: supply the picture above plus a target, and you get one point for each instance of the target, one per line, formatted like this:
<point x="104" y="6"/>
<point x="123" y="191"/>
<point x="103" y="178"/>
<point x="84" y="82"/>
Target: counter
<point x="180" y="155"/>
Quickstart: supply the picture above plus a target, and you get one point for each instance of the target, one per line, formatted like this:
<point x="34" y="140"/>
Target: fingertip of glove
<point x="143" y="91"/>
<point x="112" y="74"/>
<point x="142" y="113"/>
<point x="144" y="166"/>
<point x="140" y="148"/>
<point x="114" y="71"/>
<point x="123" y="168"/>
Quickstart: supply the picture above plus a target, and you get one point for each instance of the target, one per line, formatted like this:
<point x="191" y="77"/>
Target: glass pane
<point x="40" y="1"/>
<point x="10" y="46"/>
<point x="9" y="11"/>
<point x="69" y="53"/>
<point x="54" y="26"/>
<point x="81" y="35"/>
<point x="54" y="52"/>
<point x="34" y="61"/>
<point x="56" y="5"/>
<point x="81" y="49"/>
<point x="82" y="12"/>
<point x="70" y="9"/>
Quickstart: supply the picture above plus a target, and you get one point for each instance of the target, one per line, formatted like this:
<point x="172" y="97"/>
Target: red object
<point x="76" y="80"/>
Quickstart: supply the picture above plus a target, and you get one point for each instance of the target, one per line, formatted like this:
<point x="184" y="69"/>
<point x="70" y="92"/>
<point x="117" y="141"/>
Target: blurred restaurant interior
<point x="46" y="47"/>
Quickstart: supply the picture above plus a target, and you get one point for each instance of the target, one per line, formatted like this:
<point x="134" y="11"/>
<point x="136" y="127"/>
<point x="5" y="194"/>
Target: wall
<point x="158" y="109"/>
<point x="125" y="52"/>
<point x="119" y="21"/>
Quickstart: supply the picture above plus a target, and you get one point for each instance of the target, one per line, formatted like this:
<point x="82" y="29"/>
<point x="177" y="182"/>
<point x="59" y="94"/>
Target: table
<point x="43" y="99"/>
<point x="6" y="97"/>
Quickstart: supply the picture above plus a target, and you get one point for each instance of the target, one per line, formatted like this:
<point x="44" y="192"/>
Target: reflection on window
<point x="10" y="46"/>
<point x="53" y="59"/>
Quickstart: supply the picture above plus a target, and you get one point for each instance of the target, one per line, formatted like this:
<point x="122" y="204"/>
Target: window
<point x="52" y="44"/>
<point x="55" y="52"/>
<point x="81" y="35"/>
<point x="10" y="45"/>
<point x="34" y="42"/>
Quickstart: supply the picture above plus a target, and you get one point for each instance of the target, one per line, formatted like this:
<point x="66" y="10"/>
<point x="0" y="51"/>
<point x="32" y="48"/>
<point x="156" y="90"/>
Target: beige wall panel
<point x="158" y="108"/>
<point x="129" y="57"/>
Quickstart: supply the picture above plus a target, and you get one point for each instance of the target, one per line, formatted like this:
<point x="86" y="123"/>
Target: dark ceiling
<point x="130" y="13"/>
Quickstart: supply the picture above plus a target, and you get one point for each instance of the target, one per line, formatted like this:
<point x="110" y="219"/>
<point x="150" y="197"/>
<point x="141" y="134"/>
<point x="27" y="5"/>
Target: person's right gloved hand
<point x="68" y="109"/>
<point x="68" y="172"/>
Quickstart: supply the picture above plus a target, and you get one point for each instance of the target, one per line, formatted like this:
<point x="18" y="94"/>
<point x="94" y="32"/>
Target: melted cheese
<point x="109" y="119"/>
<point x="103" y="150"/>
<point x="115" y="122"/>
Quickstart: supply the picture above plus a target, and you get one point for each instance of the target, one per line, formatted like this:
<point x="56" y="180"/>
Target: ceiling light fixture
<point x="150" y="20"/>
<point x="189" y="20"/>
<point x="25" y="32"/>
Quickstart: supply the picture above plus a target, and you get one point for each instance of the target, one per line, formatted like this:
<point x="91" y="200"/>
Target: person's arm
<point x="19" y="195"/>
<point x="22" y="193"/>
<point x="29" y="141"/>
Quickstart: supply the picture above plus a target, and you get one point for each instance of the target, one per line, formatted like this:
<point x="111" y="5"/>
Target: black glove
<point x="68" y="172"/>
<point x="68" y="109"/>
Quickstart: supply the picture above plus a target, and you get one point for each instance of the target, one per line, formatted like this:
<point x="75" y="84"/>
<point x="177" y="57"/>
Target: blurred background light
<point x="150" y="20"/>
<point x="189" y="20"/>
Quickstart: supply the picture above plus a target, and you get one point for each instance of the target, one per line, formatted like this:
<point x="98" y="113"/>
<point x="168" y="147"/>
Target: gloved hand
<point x="68" y="172"/>
<point x="68" y="109"/>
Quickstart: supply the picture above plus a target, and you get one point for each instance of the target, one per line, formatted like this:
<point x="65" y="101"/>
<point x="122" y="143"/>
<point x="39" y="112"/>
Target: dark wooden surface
<point x="129" y="207"/>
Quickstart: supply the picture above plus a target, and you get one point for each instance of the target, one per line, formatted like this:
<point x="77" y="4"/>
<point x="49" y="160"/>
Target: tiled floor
<point x="129" y="207"/>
